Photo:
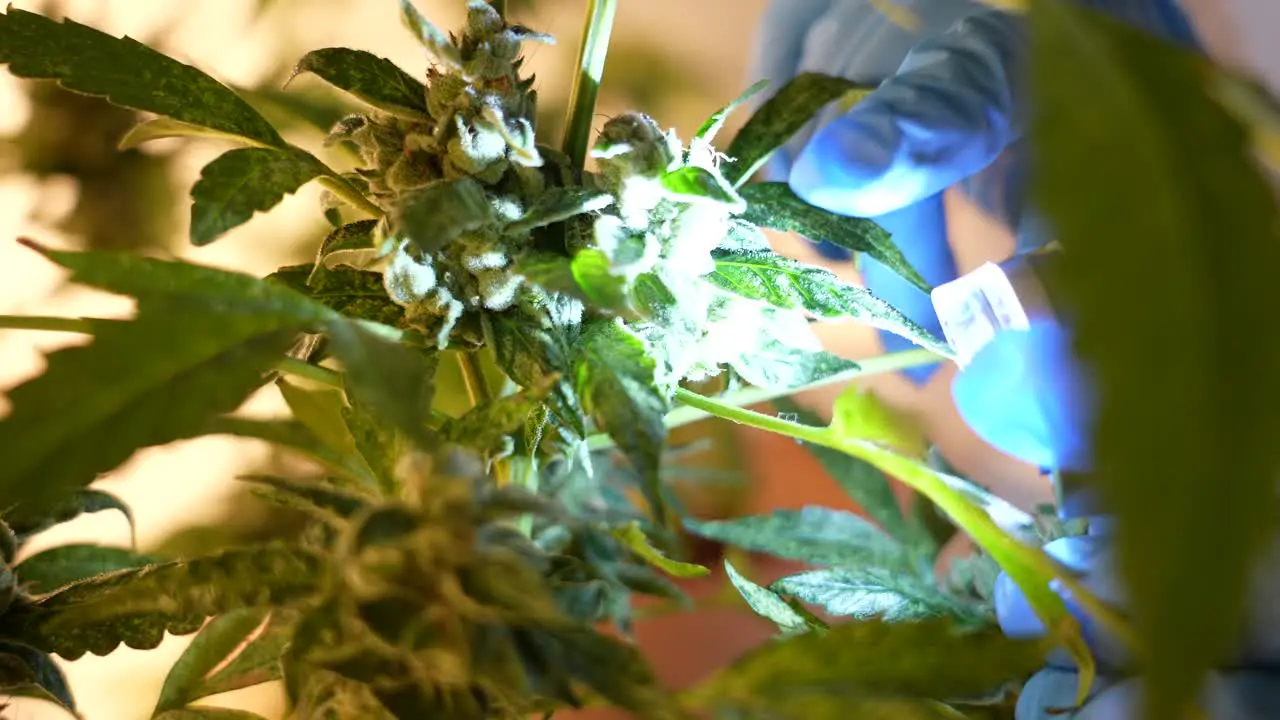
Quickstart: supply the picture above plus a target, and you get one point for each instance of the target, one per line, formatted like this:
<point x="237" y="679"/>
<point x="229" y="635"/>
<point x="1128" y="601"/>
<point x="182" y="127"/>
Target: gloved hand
<point x="948" y="104"/>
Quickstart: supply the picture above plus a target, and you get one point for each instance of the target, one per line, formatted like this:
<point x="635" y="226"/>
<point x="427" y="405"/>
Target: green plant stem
<point x="315" y="373"/>
<point x="878" y="365"/>
<point x="343" y="189"/>
<point x="586" y="86"/>
<point x="473" y="378"/>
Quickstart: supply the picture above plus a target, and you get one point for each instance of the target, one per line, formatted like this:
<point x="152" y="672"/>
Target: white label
<point x="974" y="307"/>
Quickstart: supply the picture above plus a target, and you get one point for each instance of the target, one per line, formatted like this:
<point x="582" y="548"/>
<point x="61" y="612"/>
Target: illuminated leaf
<point x="712" y="125"/>
<point x="24" y="525"/>
<point x="321" y="411"/>
<point x="775" y="205"/>
<point x="47" y="571"/>
<point x="371" y="79"/>
<point x="780" y="118"/>
<point x="870" y="592"/>
<point x="771" y="606"/>
<point x="788" y="284"/>
<point x="773" y="364"/>
<point x="633" y="538"/>
<point x="1167" y="424"/>
<point x="245" y="181"/>
<point x="161" y="128"/>
<point x="290" y="435"/>
<point x="485" y="426"/>
<point x="696" y="184"/>
<point x="312" y="496"/>
<point x="614" y="378"/>
<point x="587" y="276"/>
<point x="813" y="535"/>
<point x="125" y="72"/>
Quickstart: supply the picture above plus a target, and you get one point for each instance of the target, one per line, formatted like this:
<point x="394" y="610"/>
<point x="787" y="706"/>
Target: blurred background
<point x="63" y="182"/>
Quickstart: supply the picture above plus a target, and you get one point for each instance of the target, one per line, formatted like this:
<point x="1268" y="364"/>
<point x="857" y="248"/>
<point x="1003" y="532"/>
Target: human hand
<point x="949" y="102"/>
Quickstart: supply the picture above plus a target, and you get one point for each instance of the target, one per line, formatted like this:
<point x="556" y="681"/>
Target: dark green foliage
<point x="245" y="181"/>
<point x="374" y="80"/>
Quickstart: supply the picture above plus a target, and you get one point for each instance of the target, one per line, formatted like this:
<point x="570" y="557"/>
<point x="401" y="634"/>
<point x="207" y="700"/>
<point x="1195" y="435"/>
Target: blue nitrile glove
<point x="947" y="106"/>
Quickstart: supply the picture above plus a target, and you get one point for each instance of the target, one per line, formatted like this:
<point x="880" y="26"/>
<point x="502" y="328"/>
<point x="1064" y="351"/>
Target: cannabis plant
<point x="483" y="563"/>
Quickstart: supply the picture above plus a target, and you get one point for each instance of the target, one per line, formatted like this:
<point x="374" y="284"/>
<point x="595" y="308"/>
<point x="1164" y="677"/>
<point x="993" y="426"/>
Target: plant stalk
<point x="473" y="379"/>
<point x="586" y="86"/>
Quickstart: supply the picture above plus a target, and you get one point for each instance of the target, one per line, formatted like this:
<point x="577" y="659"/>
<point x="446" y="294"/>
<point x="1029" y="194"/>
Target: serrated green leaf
<point x="859" y="413"/>
<point x="558" y="204"/>
<point x="216" y="642"/>
<point x="321" y="411"/>
<point x="697" y="184"/>
<point x="236" y="650"/>
<point x="28" y="672"/>
<point x="775" y="205"/>
<point x="358" y="235"/>
<point x="484" y="427"/>
<point x="614" y="379"/>
<point x="290" y="435"/>
<point x="161" y="128"/>
<point x="24" y="525"/>
<point x="813" y="535"/>
<point x="314" y="496"/>
<point x="773" y="364"/>
<point x="712" y="125"/>
<point x="56" y="567"/>
<point x="788" y="284"/>
<point x="137" y="607"/>
<point x="125" y="72"/>
<point x="855" y="662"/>
<point x="374" y="80"/>
<point x="632" y="537"/>
<point x="196" y="712"/>
<point x="432" y="38"/>
<point x="772" y="606"/>
<point x="870" y="592"/>
<point x="203" y="336"/>
<point x="245" y="181"/>
<point x="588" y="276"/>
<point x="443" y="210"/>
<point x="781" y="117"/>
<point x="357" y="294"/>
<point x="862" y="482"/>
<point x="529" y="348"/>
<point x="1188" y="559"/>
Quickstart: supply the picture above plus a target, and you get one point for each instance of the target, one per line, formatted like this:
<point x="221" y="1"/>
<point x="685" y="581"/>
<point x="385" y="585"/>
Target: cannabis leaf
<point x="487" y="425"/>
<point x="862" y="482"/>
<point x="614" y="378"/>
<point x="319" y="498"/>
<point x="28" y="672"/>
<point x="695" y="184"/>
<point x="779" y="118"/>
<point x="1187" y="560"/>
<point x="774" y="364"/>
<point x="56" y="567"/>
<point x="322" y="411"/>
<point x="290" y="435"/>
<point x="442" y="211"/>
<point x="557" y="204"/>
<point x="237" y="650"/>
<point x="633" y="538"/>
<point x="357" y="294"/>
<point x="872" y="661"/>
<point x="588" y="276"/>
<point x="137" y="607"/>
<point x="787" y="284"/>
<point x="372" y="79"/>
<point x="766" y="603"/>
<point x="432" y="38"/>
<point x="712" y="125"/>
<point x="125" y="72"/>
<point x="775" y="205"/>
<point x="874" y="592"/>
<point x="245" y="181"/>
<point x="202" y="341"/>
<point x="26" y="522"/>
<point x="813" y="535"/>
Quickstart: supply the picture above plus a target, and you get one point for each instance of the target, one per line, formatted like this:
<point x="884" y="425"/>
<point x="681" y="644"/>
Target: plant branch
<point x="586" y="86"/>
<point x="880" y="364"/>
<point x="343" y="189"/>
<point x="1012" y="554"/>
<point x="473" y="378"/>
